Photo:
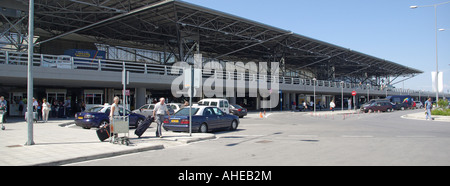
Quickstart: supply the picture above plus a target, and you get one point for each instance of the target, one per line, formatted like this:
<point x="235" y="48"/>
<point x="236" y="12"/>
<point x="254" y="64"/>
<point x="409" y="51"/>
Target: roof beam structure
<point x="177" y="27"/>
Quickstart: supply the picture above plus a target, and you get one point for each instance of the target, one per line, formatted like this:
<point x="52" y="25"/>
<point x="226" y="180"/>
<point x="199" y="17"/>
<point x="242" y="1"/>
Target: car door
<point x="226" y="108"/>
<point x="222" y="120"/>
<point x="132" y="118"/>
<point x="148" y="111"/>
<point x="210" y="117"/>
<point x="385" y="106"/>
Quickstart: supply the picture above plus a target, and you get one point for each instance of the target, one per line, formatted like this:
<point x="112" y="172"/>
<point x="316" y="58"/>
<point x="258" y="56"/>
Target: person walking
<point x="3" y="108"/>
<point x="428" y="107"/>
<point x="39" y="110"/>
<point x="305" y="106"/>
<point x="46" y="107"/>
<point x="332" y="106"/>
<point x="67" y="107"/>
<point x="159" y="113"/>
<point x="114" y="109"/>
<point x="349" y="103"/>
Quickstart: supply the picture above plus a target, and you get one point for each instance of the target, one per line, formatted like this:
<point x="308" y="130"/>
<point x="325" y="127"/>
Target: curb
<point x="435" y="118"/>
<point x="200" y="139"/>
<point x="119" y="153"/>
<point x="99" y="156"/>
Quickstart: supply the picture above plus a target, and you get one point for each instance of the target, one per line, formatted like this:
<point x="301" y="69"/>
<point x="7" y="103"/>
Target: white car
<point x="418" y="104"/>
<point x="221" y="103"/>
<point x="175" y="107"/>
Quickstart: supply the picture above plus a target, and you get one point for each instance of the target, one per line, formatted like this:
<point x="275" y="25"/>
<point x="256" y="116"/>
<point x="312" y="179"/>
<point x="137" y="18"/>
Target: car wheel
<point x="203" y="128"/>
<point x="234" y="125"/>
<point x="139" y="122"/>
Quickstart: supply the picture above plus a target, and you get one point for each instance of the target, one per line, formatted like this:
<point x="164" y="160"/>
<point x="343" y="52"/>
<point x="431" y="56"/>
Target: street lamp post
<point x="30" y="140"/>
<point x="368" y="93"/>
<point x="342" y="95"/>
<point x="436" y="37"/>
<point x="314" y="104"/>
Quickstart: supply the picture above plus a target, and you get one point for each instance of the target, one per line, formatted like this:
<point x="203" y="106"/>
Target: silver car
<point x="147" y="110"/>
<point x="418" y="104"/>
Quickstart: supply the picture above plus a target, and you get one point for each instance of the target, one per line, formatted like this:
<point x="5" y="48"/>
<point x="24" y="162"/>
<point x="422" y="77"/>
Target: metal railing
<point x="68" y="62"/>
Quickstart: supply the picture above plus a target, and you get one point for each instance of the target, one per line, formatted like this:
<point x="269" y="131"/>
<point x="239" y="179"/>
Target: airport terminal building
<point x="82" y="47"/>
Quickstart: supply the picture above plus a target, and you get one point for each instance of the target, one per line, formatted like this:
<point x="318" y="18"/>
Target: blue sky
<point x="387" y="29"/>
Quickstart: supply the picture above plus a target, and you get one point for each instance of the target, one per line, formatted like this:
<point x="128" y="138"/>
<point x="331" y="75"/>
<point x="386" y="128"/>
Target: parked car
<point x="204" y="119"/>
<point x="237" y="110"/>
<point x="382" y="105"/>
<point x="221" y="103"/>
<point x="419" y="104"/>
<point x="99" y="115"/>
<point x="147" y="110"/>
<point x="175" y="107"/>
<point x="401" y="102"/>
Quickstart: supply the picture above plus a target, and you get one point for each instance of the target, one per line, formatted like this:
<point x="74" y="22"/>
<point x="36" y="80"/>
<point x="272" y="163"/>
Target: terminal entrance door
<point x="92" y="98"/>
<point x="58" y="95"/>
<point x="17" y="99"/>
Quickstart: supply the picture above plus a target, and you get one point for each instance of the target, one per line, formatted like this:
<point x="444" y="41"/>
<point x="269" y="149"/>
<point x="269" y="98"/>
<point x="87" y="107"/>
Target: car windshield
<point x="185" y="112"/>
<point x="95" y="109"/>
<point x="237" y="106"/>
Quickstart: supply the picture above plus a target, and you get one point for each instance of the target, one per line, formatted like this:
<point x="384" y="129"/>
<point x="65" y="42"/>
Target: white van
<point x="221" y="103"/>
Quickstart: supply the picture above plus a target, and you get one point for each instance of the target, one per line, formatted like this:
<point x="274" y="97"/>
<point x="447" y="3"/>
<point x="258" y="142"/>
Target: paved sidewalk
<point x="57" y="145"/>
<point x="421" y="116"/>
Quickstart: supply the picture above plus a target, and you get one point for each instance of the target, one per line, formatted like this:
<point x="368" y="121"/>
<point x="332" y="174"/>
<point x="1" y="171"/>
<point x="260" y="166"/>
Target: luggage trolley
<point x="120" y="125"/>
<point x="2" y="114"/>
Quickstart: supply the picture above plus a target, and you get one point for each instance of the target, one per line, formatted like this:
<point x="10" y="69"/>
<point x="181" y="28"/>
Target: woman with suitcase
<point x="104" y="131"/>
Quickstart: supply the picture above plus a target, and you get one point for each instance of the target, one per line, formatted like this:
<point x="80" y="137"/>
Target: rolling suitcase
<point x="144" y="126"/>
<point x="104" y="132"/>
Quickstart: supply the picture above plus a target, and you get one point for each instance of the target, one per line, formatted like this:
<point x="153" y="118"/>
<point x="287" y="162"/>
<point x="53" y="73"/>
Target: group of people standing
<point x="310" y="106"/>
<point x="44" y="109"/>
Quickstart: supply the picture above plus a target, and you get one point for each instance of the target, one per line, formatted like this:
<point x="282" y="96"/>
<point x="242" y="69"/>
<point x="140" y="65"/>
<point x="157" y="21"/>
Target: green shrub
<point x="443" y="103"/>
<point x="441" y="112"/>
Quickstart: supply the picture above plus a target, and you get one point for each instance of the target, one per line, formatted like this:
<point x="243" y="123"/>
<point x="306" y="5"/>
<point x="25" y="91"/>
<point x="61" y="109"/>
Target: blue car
<point x="205" y="119"/>
<point x="99" y="115"/>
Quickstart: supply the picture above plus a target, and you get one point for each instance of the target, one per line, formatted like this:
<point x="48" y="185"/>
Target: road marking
<point x="304" y="136"/>
<point x="345" y="136"/>
<point x="416" y="136"/>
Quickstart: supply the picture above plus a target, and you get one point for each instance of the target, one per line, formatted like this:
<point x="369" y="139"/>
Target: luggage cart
<point x="120" y="125"/>
<point x="2" y="114"/>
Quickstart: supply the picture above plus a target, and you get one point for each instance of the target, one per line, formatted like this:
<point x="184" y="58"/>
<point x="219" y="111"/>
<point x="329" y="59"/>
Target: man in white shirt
<point x="332" y="106"/>
<point x="35" y="105"/>
<point x="159" y="112"/>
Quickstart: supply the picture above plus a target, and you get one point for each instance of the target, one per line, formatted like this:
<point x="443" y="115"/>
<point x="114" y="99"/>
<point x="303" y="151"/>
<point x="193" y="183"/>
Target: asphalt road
<point x="287" y="139"/>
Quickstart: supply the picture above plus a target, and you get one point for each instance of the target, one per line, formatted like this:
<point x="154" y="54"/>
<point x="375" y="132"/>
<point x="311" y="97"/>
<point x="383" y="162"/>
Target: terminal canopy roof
<point x="177" y="27"/>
